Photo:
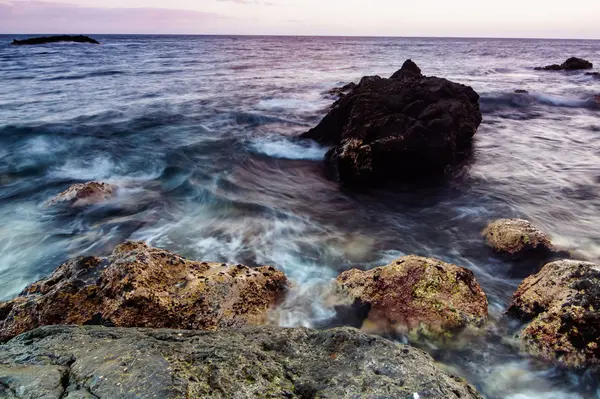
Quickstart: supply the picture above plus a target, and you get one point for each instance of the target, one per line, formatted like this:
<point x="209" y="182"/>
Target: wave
<point x="285" y="148"/>
<point x="84" y="76"/>
<point x="497" y="101"/>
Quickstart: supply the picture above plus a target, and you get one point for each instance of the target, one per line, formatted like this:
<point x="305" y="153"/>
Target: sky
<point x="438" y="18"/>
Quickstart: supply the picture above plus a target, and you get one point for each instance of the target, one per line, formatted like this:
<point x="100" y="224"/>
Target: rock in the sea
<point x="516" y="237"/>
<point x="141" y="286"/>
<point x="521" y="91"/>
<point x="84" y="194"/>
<point x="55" y="39"/>
<point x="563" y="303"/>
<point x="572" y="64"/>
<point x="593" y="74"/>
<point x="423" y="297"/>
<point x="407" y="127"/>
<point x="268" y="362"/>
<point x="340" y="92"/>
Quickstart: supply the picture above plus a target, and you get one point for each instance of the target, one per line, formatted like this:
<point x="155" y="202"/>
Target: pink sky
<point x="474" y="18"/>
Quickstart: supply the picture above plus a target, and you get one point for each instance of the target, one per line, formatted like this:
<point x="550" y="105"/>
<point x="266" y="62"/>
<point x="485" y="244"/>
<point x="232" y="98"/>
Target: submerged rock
<point x="406" y="127"/>
<point x="141" y="286"/>
<point x="517" y="237"/>
<point x="572" y="64"/>
<point x="55" y="39"/>
<point x="563" y="303"/>
<point x="269" y="362"/>
<point x="420" y="296"/>
<point x="84" y="194"/>
<point x="593" y="74"/>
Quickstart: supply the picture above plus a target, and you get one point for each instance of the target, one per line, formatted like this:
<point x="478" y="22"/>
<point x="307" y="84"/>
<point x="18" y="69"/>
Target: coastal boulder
<point x="572" y="64"/>
<point x="407" y="127"/>
<point x="517" y="237"/>
<point x="141" y="286"/>
<point x="420" y="296"/>
<point x="268" y="362"/>
<point x="562" y="302"/>
<point x="84" y="194"/>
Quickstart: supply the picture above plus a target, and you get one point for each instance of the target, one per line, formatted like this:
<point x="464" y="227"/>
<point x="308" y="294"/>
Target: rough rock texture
<point x="110" y="363"/>
<point x="563" y="302"/>
<point x="516" y="237"/>
<point x="141" y="286"/>
<point x="403" y="128"/>
<point x="421" y="296"/>
<point x="572" y="64"/>
<point x="340" y="92"/>
<point x="84" y="194"/>
<point x="55" y="39"/>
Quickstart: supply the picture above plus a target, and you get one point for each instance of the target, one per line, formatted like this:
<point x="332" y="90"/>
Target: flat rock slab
<point x="111" y="363"/>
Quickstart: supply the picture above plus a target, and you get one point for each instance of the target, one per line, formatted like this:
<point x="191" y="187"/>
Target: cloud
<point x="47" y="17"/>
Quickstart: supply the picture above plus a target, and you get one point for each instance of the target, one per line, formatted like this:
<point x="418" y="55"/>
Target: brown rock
<point x="141" y="286"/>
<point x="563" y="302"/>
<point x="421" y="296"/>
<point x="84" y="194"/>
<point x="516" y="237"/>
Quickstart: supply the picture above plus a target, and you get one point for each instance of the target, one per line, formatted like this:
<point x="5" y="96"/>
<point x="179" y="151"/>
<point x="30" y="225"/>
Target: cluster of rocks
<point x="572" y="64"/>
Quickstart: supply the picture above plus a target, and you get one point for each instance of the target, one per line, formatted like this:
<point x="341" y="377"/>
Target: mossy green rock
<point x="261" y="362"/>
<point x="516" y="237"/>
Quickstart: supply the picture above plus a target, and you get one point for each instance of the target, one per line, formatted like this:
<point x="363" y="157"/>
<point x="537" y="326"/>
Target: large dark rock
<point x="55" y="39"/>
<point x="572" y="64"/>
<point x="141" y="286"/>
<point x="406" y="127"/>
<point x="562" y="303"/>
<point x="110" y="363"/>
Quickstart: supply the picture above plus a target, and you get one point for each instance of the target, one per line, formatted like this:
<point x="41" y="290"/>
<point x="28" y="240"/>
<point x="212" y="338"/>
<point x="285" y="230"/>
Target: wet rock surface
<point x="572" y="64"/>
<point x="562" y="302"/>
<point x="84" y="194"/>
<point x="55" y="39"/>
<point x="423" y="297"/>
<point x="517" y="237"/>
<point x="407" y="127"/>
<point x="270" y="362"/>
<point x="141" y="286"/>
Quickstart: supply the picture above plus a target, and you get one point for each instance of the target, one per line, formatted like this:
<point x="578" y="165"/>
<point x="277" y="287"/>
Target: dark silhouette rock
<point x="268" y="362"/>
<point x="407" y="127"/>
<point x="141" y="286"/>
<point x="339" y="92"/>
<point x="55" y="39"/>
<point x="562" y="303"/>
<point x="572" y="64"/>
<point x="521" y="91"/>
<point x="593" y="74"/>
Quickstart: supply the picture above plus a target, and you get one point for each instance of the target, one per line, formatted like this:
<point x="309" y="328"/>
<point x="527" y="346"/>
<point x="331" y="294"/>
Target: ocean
<point x="202" y="134"/>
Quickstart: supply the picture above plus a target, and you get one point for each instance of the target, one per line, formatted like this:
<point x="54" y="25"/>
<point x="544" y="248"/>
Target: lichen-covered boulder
<point x="407" y="127"/>
<point x="84" y="194"/>
<point x="515" y="237"/>
<point x="572" y="64"/>
<point x="419" y="296"/>
<point x="563" y="303"/>
<point x="267" y="362"/>
<point x="141" y="286"/>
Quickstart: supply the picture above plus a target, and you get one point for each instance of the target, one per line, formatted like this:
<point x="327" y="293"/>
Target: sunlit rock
<point x="84" y="194"/>
<point x="515" y="237"/>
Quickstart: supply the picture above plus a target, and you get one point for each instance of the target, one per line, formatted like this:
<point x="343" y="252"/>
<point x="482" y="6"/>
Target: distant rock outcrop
<point x="572" y="64"/>
<point x="55" y="39"/>
<point x="562" y="302"/>
<point x="420" y="296"/>
<point x="268" y="362"/>
<point x="407" y="127"/>
<point x="141" y="286"/>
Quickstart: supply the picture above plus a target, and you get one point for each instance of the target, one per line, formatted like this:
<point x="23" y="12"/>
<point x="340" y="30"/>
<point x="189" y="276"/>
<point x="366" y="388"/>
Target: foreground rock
<point x="141" y="286"/>
<point x="106" y="363"/>
<point x="55" y="39"/>
<point x="420" y="296"/>
<point x="406" y="127"/>
<point x="84" y="194"/>
<point x="563" y="302"/>
<point x="572" y="64"/>
<point x="517" y="237"/>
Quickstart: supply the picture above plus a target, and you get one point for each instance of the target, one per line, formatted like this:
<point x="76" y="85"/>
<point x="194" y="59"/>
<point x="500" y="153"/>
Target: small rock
<point x="141" y="286"/>
<point x="593" y="74"/>
<point x="516" y="237"/>
<point x="521" y="91"/>
<point x="247" y="363"/>
<point x="84" y="194"/>
<point x="572" y="64"/>
<point x="420" y="296"/>
<point x="563" y="303"/>
<point x="340" y="92"/>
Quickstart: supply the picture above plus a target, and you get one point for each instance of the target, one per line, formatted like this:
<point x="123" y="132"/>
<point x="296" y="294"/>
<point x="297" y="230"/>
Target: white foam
<point x="560" y="101"/>
<point x="290" y="104"/>
<point x="288" y="149"/>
